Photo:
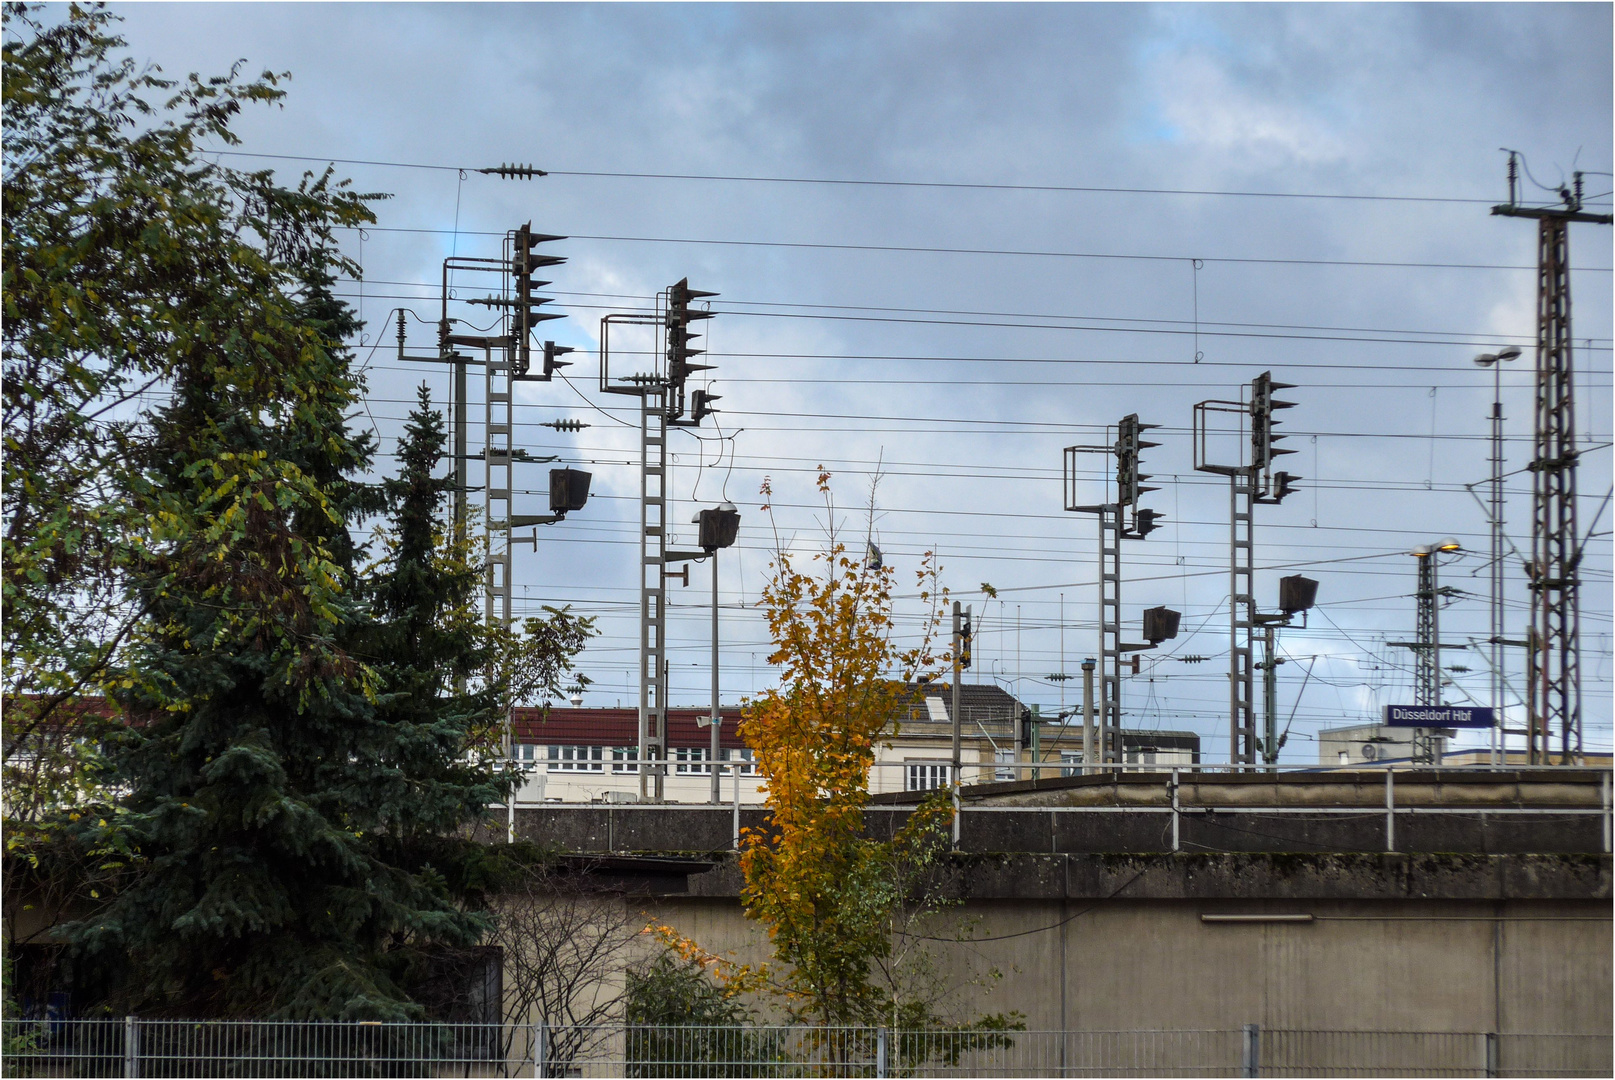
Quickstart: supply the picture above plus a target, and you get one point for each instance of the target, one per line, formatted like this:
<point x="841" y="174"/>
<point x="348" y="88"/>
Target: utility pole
<point x="718" y="529"/>
<point x="1249" y="484"/>
<point x="1427" y="651"/>
<point x="662" y="402"/>
<point x="1494" y="511"/>
<point x="962" y="635"/>
<point x="1554" y="694"/>
<point x="1088" y="744"/>
<point x="1114" y="527"/>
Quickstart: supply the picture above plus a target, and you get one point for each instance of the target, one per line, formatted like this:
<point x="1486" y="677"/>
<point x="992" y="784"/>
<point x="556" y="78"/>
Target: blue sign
<point x="1437" y="716"/>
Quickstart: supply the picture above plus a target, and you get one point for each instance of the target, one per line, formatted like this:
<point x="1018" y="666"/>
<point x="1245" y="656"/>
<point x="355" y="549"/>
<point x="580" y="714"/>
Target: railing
<point x="1383" y="805"/>
<point x="133" y="1047"/>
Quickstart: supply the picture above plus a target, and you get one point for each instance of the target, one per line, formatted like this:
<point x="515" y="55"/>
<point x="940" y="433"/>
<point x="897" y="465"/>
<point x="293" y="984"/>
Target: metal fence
<point x="179" y="1048"/>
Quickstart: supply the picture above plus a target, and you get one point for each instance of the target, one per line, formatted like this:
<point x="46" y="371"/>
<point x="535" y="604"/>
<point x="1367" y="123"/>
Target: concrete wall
<point x="1512" y="966"/>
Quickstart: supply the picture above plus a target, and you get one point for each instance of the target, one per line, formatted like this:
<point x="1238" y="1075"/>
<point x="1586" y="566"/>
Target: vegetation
<point x="851" y="918"/>
<point x="260" y="750"/>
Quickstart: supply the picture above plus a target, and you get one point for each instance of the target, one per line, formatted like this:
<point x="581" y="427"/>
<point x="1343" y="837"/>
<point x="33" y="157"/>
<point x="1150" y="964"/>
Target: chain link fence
<point x="136" y="1047"/>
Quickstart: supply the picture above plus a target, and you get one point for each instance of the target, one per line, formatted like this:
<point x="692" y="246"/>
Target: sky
<point x="950" y="241"/>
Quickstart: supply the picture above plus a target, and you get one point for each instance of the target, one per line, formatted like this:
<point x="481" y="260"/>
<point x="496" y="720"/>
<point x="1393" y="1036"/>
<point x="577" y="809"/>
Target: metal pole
<point x="958" y="770"/>
<point x="1234" y="716"/>
<point x="1499" y="742"/>
<point x="735" y="771"/>
<point x="717" y="795"/>
<point x="1270" y="695"/>
<point x="1087" y="715"/>
<point x="1037" y="743"/>
<point x="1020" y="742"/>
<point x="1390" y="810"/>
<point x="131" y="1046"/>
<point x="1435" y="628"/>
<point x="958" y="777"/>
<point x="1251" y="1051"/>
<point x="461" y="465"/>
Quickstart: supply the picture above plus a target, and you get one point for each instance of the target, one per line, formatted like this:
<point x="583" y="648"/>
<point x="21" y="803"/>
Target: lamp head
<point x="1511" y="352"/>
<point x="1449" y="544"/>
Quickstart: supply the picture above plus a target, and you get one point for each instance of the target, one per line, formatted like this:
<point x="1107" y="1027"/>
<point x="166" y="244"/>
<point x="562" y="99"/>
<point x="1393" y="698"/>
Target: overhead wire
<point x="951" y="185"/>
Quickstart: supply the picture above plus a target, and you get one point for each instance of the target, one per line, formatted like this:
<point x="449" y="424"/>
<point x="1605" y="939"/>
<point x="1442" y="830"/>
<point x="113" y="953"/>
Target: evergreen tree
<point x="264" y="773"/>
<point x="293" y="770"/>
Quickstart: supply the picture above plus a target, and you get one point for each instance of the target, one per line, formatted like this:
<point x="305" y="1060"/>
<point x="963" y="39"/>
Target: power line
<point x="947" y="185"/>
<point x="1486" y="337"/>
<point x="915" y="249"/>
<point x="1474" y="341"/>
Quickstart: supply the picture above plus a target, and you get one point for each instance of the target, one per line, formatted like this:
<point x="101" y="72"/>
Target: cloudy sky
<point x="956" y="239"/>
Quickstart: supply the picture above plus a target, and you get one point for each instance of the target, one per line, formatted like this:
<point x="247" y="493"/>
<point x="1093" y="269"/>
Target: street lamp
<point x="1495" y="361"/>
<point x="718" y="528"/>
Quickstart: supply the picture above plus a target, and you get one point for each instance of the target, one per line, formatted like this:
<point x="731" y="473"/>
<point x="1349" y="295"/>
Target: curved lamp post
<point x="1495" y="361"/>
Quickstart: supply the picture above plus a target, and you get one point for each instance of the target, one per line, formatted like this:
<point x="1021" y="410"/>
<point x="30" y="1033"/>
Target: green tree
<point x="285" y="730"/>
<point x="112" y="266"/>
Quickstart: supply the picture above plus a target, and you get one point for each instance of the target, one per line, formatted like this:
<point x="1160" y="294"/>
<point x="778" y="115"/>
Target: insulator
<point x="514" y="172"/>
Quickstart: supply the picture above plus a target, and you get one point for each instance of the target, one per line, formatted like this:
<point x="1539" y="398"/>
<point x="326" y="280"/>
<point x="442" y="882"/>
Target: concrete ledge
<point x="1227" y="876"/>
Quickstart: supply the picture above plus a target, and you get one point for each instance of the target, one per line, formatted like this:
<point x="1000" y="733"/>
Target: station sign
<point x="1439" y="716"/>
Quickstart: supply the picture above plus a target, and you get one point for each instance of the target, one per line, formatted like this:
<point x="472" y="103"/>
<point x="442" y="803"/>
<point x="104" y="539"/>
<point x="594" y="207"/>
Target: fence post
<point x="1488" y="1051"/>
<point x="131" y="1046"/>
<point x="1174" y="810"/>
<point x="880" y="1052"/>
<point x="1250" y="1055"/>
<point x="1390" y="811"/>
<point x="541" y="1048"/>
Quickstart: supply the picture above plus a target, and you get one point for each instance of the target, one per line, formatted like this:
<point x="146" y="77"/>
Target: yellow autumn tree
<point x="828" y="894"/>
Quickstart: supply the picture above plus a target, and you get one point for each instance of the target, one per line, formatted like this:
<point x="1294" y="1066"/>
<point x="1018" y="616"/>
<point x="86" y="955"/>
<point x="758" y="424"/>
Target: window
<point x="625" y="759"/>
<point x="927" y="775"/>
<point x="577" y="758"/>
<point x="526" y="752"/>
<point x="744" y="754"/>
<point x="1071" y="760"/>
<point x="691" y="761"/>
<point x="1006" y="770"/>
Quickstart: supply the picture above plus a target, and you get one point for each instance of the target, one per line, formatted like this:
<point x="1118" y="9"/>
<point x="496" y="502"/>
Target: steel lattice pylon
<point x="1110" y="634"/>
<point x="1114" y="527"/>
<point x="1553" y="573"/>
<point x="1553" y="646"/>
<point x="1242" y="745"/>
<point x="662" y="403"/>
<point x="1426" y="654"/>
<point x="1250" y="482"/>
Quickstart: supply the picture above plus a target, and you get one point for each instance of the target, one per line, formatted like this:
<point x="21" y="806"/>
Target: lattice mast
<point x="663" y="402"/>
<point x="1118" y="519"/>
<point x="1554" y="639"/>
<point x="1250" y="483"/>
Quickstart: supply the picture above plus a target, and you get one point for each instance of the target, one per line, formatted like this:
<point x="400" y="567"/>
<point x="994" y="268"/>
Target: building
<point x="1370" y="744"/>
<point x="592" y="755"/>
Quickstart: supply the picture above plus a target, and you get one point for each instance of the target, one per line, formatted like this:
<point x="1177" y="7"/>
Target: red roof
<point x="619" y="727"/>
